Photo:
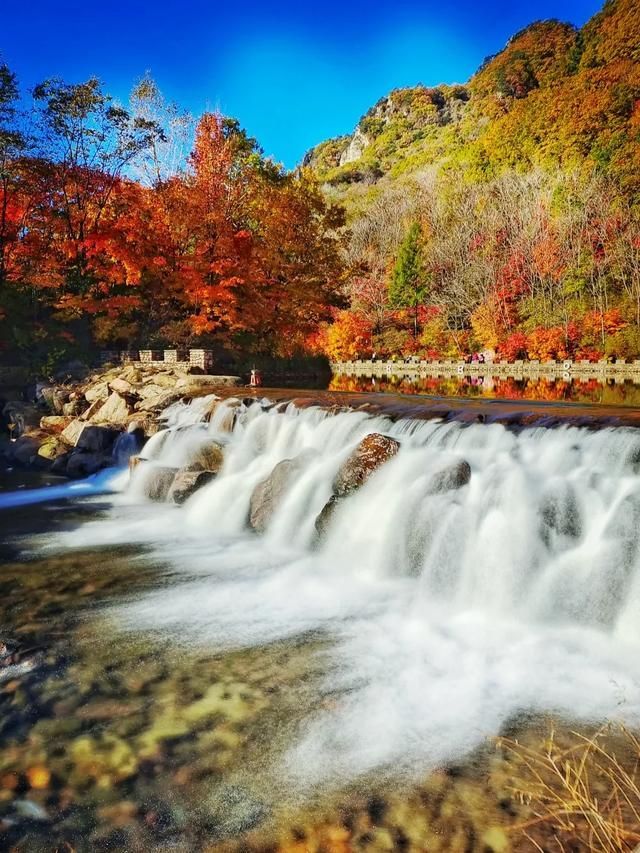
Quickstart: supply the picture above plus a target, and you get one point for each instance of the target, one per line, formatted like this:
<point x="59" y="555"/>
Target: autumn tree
<point x="90" y="141"/>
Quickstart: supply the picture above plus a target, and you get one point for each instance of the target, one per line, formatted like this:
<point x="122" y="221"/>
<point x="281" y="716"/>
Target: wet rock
<point x="96" y="439"/>
<point x="158" y="481"/>
<point x="268" y="494"/>
<point x="324" y="519"/>
<point x="454" y="476"/>
<point x="186" y="483"/>
<point x="209" y="456"/>
<point x="24" y="450"/>
<point x="54" y="423"/>
<point x="115" y="410"/>
<point x="372" y="452"/>
<point x="83" y="464"/>
<point x="59" y="465"/>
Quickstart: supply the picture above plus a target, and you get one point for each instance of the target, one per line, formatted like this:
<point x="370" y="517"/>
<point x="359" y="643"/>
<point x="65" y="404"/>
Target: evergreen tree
<point x="407" y="288"/>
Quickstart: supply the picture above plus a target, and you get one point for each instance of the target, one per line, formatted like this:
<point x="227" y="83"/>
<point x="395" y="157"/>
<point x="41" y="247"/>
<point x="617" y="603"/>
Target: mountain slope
<point x="554" y="95"/>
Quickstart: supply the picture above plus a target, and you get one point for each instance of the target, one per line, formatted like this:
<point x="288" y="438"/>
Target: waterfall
<point x="449" y="612"/>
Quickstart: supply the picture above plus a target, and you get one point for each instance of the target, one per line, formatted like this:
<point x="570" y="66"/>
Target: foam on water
<point x="449" y="613"/>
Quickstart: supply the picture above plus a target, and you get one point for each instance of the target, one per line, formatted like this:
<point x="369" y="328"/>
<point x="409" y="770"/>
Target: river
<point x="196" y="686"/>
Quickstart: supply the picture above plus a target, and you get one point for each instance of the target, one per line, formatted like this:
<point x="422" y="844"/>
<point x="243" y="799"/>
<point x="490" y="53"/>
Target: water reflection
<point x="591" y="390"/>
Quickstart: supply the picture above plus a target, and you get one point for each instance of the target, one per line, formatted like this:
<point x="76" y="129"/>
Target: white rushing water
<point x="449" y="613"/>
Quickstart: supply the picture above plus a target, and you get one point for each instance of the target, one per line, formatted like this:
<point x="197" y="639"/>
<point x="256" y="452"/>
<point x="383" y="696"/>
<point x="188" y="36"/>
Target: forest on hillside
<point x="498" y="215"/>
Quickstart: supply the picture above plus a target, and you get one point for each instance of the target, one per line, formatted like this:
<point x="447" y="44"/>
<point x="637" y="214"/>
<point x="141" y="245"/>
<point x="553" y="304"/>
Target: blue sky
<point x="293" y="73"/>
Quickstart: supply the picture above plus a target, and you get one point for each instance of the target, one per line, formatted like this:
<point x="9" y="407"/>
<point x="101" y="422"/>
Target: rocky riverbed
<point x="115" y="743"/>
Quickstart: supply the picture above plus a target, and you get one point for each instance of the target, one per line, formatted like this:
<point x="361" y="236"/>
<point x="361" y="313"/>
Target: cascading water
<point x="449" y="611"/>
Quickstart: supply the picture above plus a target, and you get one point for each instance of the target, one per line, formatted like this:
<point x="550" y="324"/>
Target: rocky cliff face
<point x="555" y="94"/>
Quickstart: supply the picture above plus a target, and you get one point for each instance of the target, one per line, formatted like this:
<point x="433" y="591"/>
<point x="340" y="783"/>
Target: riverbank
<point x="78" y="427"/>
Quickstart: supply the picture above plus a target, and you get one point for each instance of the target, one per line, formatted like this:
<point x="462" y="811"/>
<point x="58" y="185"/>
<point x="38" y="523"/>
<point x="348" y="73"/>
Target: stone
<point x="59" y="465"/>
<point x="96" y="439"/>
<point x="93" y="408"/>
<point x="24" y="450"/>
<point x="54" y="398"/>
<point x="186" y="483"/>
<point x="115" y="410"/>
<point x="82" y="463"/>
<point x="72" y="432"/>
<point x="158" y="400"/>
<point x="324" y="519"/>
<point x="269" y="493"/>
<point x="208" y="457"/>
<point x="123" y="387"/>
<point x="373" y="451"/>
<point x="454" y="476"/>
<point x="73" y="408"/>
<point x="162" y="381"/>
<point x="157" y="482"/>
<point x="52" y="448"/>
<point x="54" y="423"/>
<point x="99" y="391"/>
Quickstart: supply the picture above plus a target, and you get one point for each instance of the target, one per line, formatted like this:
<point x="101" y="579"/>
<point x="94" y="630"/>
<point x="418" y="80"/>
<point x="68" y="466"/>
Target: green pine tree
<point x="407" y="288"/>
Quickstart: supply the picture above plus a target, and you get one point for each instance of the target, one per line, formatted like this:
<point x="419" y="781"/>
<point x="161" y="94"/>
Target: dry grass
<point x="581" y="796"/>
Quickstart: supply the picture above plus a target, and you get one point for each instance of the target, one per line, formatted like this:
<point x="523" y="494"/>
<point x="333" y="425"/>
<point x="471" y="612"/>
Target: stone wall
<point x="619" y="371"/>
<point x="182" y="359"/>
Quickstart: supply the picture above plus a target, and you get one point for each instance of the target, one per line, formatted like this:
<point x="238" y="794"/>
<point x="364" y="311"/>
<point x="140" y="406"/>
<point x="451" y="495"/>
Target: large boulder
<point x="453" y="476"/>
<point x="24" y="450"/>
<point x="157" y="481"/>
<point x="54" y="423"/>
<point x="155" y="399"/>
<point x="73" y="408"/>
<point x="372" y="452"/>
<point x="97" y="392"/>
<point x="82" y="463"/>
<point x="52" y="448"/>
<point x="115" y="410"/>
<point x="71" y="433"/>
<point x="96" y="439"/>
<point x="208" y="456"/>
<point x="163" y="380"/>
<point x="268" y="494"/>
<point x="93" y="408"/>
<point x="186" y="483"/>
<point x="123" y="387"/>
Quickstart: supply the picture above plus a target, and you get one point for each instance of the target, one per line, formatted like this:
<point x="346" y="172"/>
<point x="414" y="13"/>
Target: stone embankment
<point x="618" y="371"/>
<point x="78" y="427"/>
